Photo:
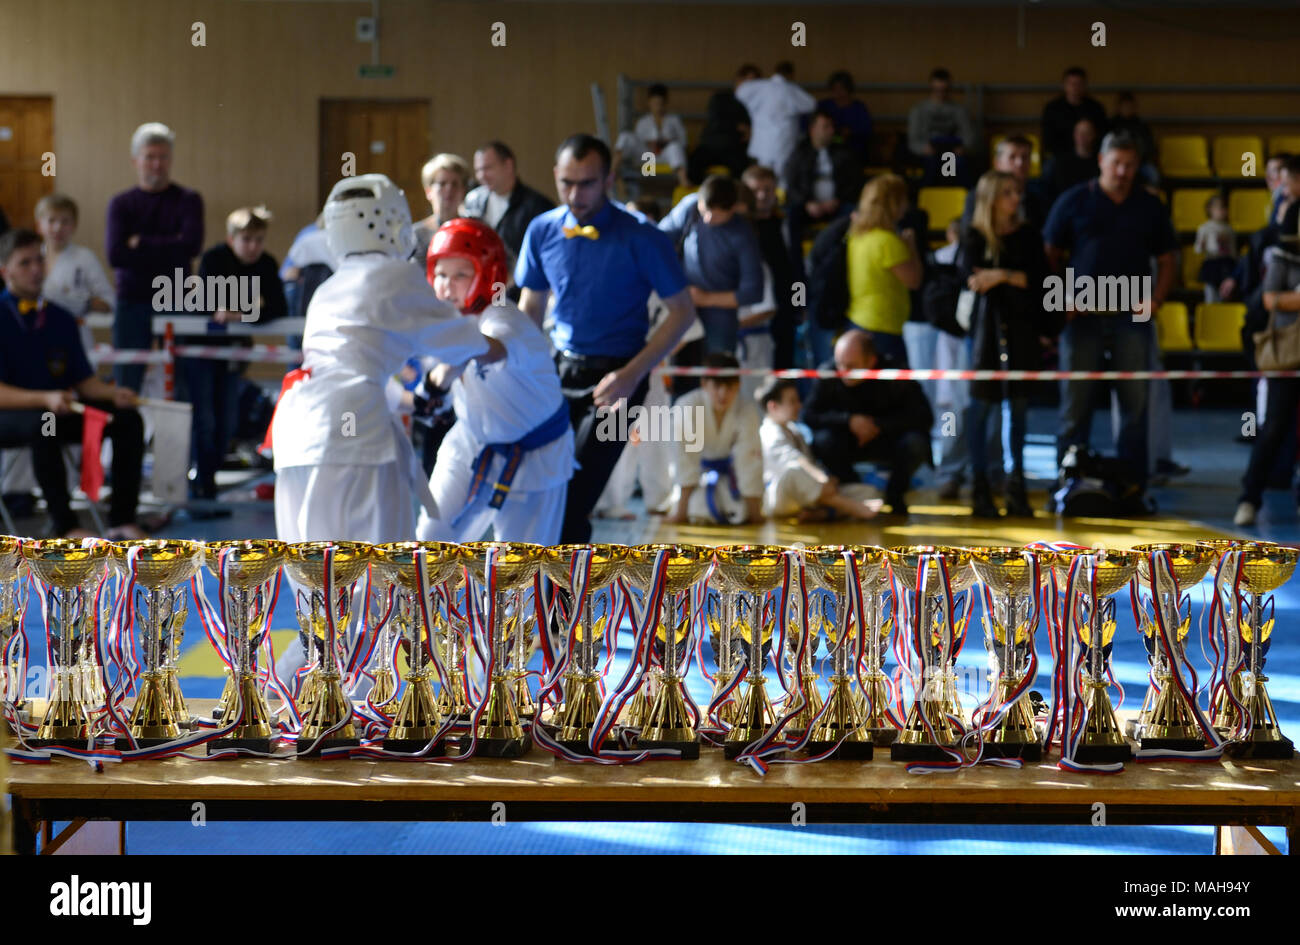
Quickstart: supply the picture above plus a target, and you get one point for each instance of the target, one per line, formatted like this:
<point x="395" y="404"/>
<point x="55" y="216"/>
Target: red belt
<point x="292" y="378"/>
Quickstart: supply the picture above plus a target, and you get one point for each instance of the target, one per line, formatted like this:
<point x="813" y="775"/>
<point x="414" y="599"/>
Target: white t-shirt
<point x="495" y="209"/>
<point x="74" y="279"/>
<point x="824" y="184"/>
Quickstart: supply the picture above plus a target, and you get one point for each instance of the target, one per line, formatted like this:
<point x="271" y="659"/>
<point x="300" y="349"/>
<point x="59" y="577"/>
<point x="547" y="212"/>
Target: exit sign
<point x="377" y="72"/>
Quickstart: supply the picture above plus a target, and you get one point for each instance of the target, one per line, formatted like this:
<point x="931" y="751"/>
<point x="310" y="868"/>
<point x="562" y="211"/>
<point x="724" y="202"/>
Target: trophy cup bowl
<point x="752" y="569"/>
<point x="11" y="557"/>
<point x="397" y="561"/>
<point x="1114" y="570"/>
<point x="686" y="564"/>
<point x="305" y="562"/>
<point x="251" y="562"/>
<point x="905" y="560"/>
<point x="516" y="563"/>
<point x="1003" y="568"/>
<point x="162" y="563"/>
<point x="1190" y="561"/>
<point x="65" y="562"/>
<point x="607" y="562"/>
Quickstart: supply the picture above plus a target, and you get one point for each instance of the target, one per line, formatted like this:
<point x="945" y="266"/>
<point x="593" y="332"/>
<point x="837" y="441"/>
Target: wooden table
<point x="1244" y="794"/>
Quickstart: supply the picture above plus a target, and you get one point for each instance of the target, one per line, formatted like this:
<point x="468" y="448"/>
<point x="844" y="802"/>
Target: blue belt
<point x="714" y="470"/>
<point x="548" y="431"/>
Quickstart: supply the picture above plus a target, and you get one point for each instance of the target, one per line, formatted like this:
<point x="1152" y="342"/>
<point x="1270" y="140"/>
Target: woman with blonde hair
<point x="883" y="266"/>
<point x="446" y="179"/>
<point x="1001" y="260"/>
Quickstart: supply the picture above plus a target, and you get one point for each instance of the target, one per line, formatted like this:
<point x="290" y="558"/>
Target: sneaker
<point x="1245" y="514"/>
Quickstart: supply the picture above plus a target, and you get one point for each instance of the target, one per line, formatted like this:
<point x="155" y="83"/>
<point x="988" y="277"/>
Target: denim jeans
<point x="983" y="424"/>
<point x="721" y="329"/>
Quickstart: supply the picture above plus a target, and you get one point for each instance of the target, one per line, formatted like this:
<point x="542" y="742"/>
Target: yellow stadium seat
<point x="1218" y="326"/>
<point x="680" y="193"/>
<point x="662" y="169"/>
<point x="1278" y="144"/>
<point x="1192" y="269"/>
<point x="1228" y="151"/>
<point x="943" y="204"/>
<point x="720" y="170"/>
<point x="1189" y="208"/>
<point x="1184" y="156"/>
<point x="1172" y="327"/>
<point x="1248" y="209"/>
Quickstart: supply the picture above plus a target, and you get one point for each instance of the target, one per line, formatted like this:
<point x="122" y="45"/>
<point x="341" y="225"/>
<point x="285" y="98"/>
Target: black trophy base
<point x="303" y="746"/>
<point x="1025" y="752"/>
<point x="883" y="737"/>
<point x="690" y="750"/>
<point x="1103" y="754"/>
<point x="499" y="747"/>
<point x="1173" y="744"/>
<point x="411" y="746"/>
<point x="1267" y="751"/>
<point x="909" y="751"/>
<point x="732" y="750"/>
<point x="124" y="744"/>
<point x="579" y="746"/>
<point x="58" y="743"/>
<point x="262" y="745"/>
<point x="848" y="751"/>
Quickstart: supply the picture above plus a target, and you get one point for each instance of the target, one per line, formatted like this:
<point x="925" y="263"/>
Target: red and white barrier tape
<point x="267" y="354"/>
<point x="917" y="374"/>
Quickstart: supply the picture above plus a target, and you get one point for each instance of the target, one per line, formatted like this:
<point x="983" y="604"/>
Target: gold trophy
<point x="1101" y="740"/>
<point x="750" y="573"/>
<point x="576" y="716"/>
<point x="873" y="572"/>
<point x="668" y="721"/>
<point x="416" y="720"/>
<point x="810" y="703"/>
<point x="930" y="732"/>
<point x="161" y="569"/>
<point x="501" y="568"/>
<point x="325" y="608"/>
<point x="1170" y="719"/>
<point x="843" y="720"/>
<point x="71" y="572"/>
<point x="249" y="566"/>
<point x="1013" y="580"/>
<point x="1254" y="733"/>
<point x="13" y="585"/>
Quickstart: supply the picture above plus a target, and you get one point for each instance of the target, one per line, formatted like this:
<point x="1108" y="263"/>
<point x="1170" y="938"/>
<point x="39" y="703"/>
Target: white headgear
<point x="368" y="214"/>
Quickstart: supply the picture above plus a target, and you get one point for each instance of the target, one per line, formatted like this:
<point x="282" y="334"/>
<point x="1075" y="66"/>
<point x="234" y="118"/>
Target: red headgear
<point x="476" y="241"/>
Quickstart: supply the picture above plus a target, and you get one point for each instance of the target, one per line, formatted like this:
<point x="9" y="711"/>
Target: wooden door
<point x="387" y="137"/>
<point x="26" y="136"/>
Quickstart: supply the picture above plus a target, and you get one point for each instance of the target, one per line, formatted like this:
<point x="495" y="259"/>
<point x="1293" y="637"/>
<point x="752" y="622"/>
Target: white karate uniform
<point x="794" y="478"/>
<point x="755" y="348"/>
<point x="344" y="465"/>
<point x="635" y="142"/>
<point x="775" y="106"/>
<point x="501" y="403"/>
<point x="736" y="437"/>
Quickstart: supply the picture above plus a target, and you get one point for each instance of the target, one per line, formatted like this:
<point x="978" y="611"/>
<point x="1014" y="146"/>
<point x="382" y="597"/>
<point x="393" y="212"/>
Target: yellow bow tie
<point x="28" y="305"/>
<point x="590" y="232"/>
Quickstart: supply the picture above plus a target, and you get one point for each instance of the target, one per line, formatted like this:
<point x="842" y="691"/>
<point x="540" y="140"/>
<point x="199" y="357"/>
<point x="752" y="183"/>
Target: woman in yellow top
<point x="882" y="266"/>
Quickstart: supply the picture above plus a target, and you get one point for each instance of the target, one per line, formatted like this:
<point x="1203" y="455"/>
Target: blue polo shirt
<point x="601" y="286"/>
<point x="40" y="350"/>
<point x="1106" y="238"/>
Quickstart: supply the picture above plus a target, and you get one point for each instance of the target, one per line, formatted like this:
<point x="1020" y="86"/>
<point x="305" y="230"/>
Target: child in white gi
<point x="796" y="483"/>
<point x="507" y="461"/>
<point x="720" y="468"/>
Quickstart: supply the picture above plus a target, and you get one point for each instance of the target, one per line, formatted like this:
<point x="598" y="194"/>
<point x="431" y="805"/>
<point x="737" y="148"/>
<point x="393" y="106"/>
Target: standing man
<point x="769" y="224"/>
<point x="775" y="106"/>
<point x="502" y="200"/>
<point x="602" y="262"/>
<point x="154" y="229"/>
<point x="1013" y="156"/>
<point x="1062" y="113"/>
<point x="1111" y="229"/>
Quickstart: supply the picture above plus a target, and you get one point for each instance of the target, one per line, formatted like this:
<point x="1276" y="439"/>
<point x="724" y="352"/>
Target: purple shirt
<point x="170" y="226"/>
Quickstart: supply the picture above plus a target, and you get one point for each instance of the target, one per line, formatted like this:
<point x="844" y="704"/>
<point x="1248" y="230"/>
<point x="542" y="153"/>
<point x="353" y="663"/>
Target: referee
<point x="601" y="262"/>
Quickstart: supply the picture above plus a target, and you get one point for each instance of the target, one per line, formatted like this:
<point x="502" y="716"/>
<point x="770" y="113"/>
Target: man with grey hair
<point x="154" y="229"/>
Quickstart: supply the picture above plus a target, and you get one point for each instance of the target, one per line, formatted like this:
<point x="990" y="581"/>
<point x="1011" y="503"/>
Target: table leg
<point x="24" y="828"/>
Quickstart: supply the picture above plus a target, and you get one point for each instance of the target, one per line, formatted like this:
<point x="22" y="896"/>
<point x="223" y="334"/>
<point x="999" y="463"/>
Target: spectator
<point x="74" y="279"/>
<point x="1079" y="165"/>
<point x="883" y="422"/>
<point x="1014" y="156"/>
<point x="938" y="126"/>
<point x="1216" y="242"/>
<point x="309" y="262"/>
<point x="43" y="370"/>
<point x="882" y="266"/>
<point x="1284" y="220"/>
<point x="720" y="256"/>
<point x="154" y="229"/>
<point x="774" y="105"/>
<point x="851" y="116"/>
<point x="1126" y="120"/>
<point x="502" y="200"/>
<point x="768" y="224"/>
<point x="725" y="138"/>
<point x="823" y="180"/>
<point x="445" y="178"/>
<point x="1273" y="181"/>
<point x="212" y="386"/>
<point x="1062" y="113"/>
<point x="657" y="132"/>
<point x="1282" y="298"/>
<point x="1110" y="228"/>
<point x="1001" y="259"/>
<point x="602" y="262"/>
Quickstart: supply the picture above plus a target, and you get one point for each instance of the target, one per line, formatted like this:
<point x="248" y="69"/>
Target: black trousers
<point x="837" y="449"/>
<point x="595" y="456"/>
<point x="19" y="428"/>
<point x="1271" y="439"/>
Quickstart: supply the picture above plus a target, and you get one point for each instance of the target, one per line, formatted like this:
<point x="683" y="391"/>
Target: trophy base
<point x="124" y="744"/>
<point x="1281" y="749"/>
<point x="303" y="746"/>
<point x="411" y="746"/>
<point x="57" y="743"/>
<point x="690" y="750"/>
<point x="848" y="751"/>
<point x="909" y="751"/>
<point x="1103" y="754"/>
<point x="1028" y="751"/>
<point x="262" y="745"/>
<point x="499" y="747"/>
<point x="1173" y="744"/>
<point x="579" y="746"/>
<point x="883" y="736"/>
